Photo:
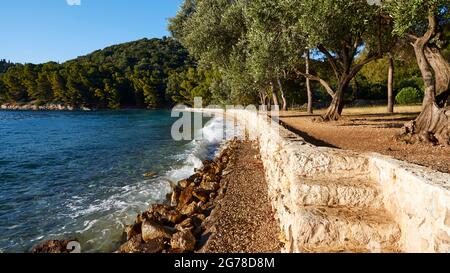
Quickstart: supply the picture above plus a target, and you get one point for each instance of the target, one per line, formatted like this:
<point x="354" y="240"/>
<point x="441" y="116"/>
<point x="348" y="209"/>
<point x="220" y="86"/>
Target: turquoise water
<point x="80" y="175"/>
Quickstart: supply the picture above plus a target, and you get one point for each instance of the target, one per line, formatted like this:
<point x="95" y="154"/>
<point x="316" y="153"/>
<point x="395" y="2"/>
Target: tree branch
<point x="361" y="64"/>
<point x="331" y="60"/>
<point x="320" y="80"/>
<point x="432" y="28"/>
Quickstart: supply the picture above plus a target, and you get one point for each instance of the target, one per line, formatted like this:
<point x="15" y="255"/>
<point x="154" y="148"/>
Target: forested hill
<point x="133" y="74"/>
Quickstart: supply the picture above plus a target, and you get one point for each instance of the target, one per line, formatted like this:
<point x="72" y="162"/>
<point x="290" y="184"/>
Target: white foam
<point x="206" y="145"/>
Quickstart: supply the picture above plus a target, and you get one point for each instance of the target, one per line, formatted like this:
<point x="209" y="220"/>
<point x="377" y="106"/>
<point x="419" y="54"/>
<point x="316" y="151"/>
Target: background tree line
<point x="134" y="74"/>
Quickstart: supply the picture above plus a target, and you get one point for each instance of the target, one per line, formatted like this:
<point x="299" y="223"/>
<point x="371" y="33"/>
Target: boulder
<point x="172" y="216"/>
<point x="53" y="247"/>
<point x="209" y="186"/>
<point x="183" y="240"/>
<point x="175" y="197"/>
<point x="217" y="169"/>
<point x="186" y="224"/>
<point x="154" y="246"/>
<point x="185" y="196"/>
<point x="131" y="245"/>
<point x="183" y="184"/>
<point x="194" y="177"/>
<point x="207" y="206"/>
<point x="137" y="245"/>
<point x="132" y="230"/>
<point x="189" y="209"/>
<point x="152" y="230"/>
<point x="163" y="213"/>
<point x="198" y="219"/>
<point x="201" y="195"/>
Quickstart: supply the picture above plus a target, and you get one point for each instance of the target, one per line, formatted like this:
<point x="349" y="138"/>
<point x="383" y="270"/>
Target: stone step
<point x="353" y="250"/>
<point x="331" y="229"/>
<point x="357" y="191"/>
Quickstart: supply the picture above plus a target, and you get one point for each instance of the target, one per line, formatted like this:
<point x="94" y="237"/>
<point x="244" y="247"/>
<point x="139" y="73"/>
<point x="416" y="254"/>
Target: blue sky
<point x="38" y="31"/>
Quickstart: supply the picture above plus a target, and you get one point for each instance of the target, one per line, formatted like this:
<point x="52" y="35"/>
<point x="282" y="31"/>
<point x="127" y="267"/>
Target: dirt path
<point x="243" y="221"/>
<point x="369" y="133"/>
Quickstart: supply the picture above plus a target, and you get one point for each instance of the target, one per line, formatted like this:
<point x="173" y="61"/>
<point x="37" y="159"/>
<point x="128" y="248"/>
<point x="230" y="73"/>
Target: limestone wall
<point x="418" y="198"/>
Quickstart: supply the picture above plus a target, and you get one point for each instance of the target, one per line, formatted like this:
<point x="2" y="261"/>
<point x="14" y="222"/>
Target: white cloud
<point x="73" y="2"/>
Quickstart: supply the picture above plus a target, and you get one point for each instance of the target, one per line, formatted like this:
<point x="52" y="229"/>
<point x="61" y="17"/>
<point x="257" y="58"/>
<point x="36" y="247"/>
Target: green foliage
<point x="410" y="16"/>
<point x="130" y="74"/>
<point x="184" y="86"/>
<point x="409" y="95"/>
<point x="253" y="43"/>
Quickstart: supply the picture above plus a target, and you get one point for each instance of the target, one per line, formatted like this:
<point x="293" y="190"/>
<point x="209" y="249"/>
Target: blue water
<point x="80" y="174"/>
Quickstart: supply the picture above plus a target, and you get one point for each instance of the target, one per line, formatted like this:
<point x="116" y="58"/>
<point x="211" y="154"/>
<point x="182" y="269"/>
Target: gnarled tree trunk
<point x="334" y="111"/>
<point x="433" y="123"/>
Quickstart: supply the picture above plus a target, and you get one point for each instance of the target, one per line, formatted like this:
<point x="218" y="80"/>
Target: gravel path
<point x="369" y="133"/>
<point x="243" y="221"/>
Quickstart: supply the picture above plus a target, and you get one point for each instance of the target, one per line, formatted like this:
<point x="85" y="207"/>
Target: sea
<point x="80" y="175"/>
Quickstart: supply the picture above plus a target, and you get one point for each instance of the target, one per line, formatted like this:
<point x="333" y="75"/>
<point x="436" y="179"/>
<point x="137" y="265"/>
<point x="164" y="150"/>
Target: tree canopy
<point x="133" y="74"/>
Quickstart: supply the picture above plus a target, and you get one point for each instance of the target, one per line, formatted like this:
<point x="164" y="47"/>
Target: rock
<point x="132" y="230"/>
<point x="152" y="230"/>
<point x="225" y="159"/>
<point x="184" y="241"/>
<point x="175" y="197"/>
<point x="185" y="196"/>
<point x="209" y="186"/>
<point x="154" y="246"/>
<point x="150" y="175"/>
<point x="197" y="219"/>
<point x="186" y="224"/>
<point x="131" y="245"/>
<point x="165" y="213"/>
<point x="158" y="209"/>
<point x="173" y="216"/>
<point x="53" y="247"/>
<point x="137" y="245"/>
<point x="206" y="207"/>
<point x="183" y="184"/>
<point x="194" y="177"/>
<point x="139" y="219"/>
<point x="217" y="169"/>
<point x="213" y="196"/>
<point x="201" y="194"/>
<point x="189" y="209"/>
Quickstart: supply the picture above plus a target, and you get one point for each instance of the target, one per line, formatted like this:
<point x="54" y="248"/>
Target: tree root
<point x="431" y="126"/>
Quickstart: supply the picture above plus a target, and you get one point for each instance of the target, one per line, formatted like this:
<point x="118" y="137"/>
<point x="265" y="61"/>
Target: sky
<point x="38" y="31"/>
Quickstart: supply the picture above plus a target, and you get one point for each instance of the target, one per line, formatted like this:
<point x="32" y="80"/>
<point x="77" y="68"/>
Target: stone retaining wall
<point x="417" y="197"/>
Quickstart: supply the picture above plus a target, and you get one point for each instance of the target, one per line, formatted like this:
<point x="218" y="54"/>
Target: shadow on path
<point x="308" y="138"/>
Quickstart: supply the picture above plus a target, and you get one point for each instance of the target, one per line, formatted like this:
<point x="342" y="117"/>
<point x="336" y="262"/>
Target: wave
<point x="206" y="145"/>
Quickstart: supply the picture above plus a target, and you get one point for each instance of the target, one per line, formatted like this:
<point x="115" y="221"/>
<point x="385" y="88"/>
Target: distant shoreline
<point x="45" y="107"/>
<point x="62" y="107"/>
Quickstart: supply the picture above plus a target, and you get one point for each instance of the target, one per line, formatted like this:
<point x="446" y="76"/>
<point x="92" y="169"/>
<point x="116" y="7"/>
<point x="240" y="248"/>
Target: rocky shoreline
<point x="45" y="107"/>
<point x="182" y="224"/>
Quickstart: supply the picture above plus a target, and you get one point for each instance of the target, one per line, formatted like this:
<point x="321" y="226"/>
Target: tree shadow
<point x="308" y="138"/>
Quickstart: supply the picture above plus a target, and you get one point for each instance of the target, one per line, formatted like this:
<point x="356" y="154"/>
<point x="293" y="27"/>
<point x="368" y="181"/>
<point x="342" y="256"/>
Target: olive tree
<point x="339" y="30"/>
<point x="422" y="23"/>
<point x="214" y="32"/>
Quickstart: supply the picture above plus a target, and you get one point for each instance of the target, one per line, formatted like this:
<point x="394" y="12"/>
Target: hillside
<point x="132" y="74"/>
